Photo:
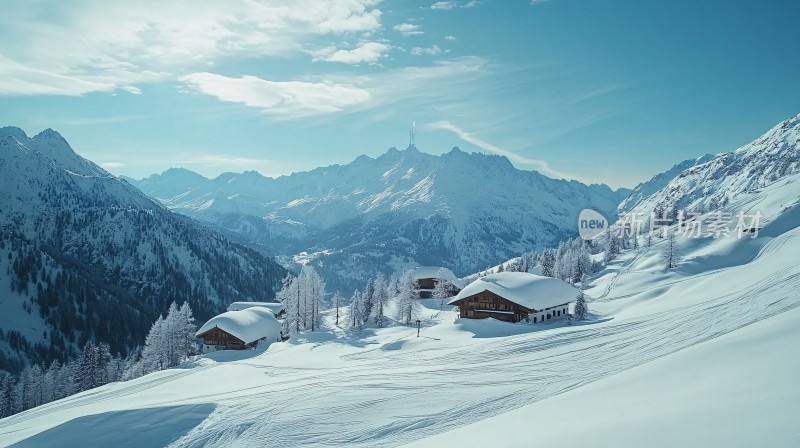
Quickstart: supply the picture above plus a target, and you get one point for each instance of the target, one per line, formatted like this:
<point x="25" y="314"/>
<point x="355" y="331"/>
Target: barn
<point x="239" y="330"/>
<point x="514" y="297"/>
<point x="427" y="277"/>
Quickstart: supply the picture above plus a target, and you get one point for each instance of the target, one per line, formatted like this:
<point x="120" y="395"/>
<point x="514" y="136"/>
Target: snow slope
<point x="734" y="391"/>
<point x="669" y="356"/>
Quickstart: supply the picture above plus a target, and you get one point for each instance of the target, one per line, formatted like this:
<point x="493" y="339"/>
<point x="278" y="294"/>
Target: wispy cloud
<point x="116" y="45"/>
<point x="408" y="29"/>
<point x="539" y="165"/>
<point x="288" y="98"/>
<point x="112" y="165"/>
<point x="448" y="5"/>
<point x="418" y="51"/>
<point x="212" y="165"/>
<point x="444" y="6"/>
<point x="344" y="92"/>
<point x="600" y="91"/>
<point x="367" y="52"/>
<point x="450" y="38"/>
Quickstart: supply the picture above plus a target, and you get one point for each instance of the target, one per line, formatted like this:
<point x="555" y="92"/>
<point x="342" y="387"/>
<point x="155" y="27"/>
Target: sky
<point x="593" y="90"/>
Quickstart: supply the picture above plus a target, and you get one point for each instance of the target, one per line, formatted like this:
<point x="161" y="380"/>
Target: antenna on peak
<point x="411" y="134"/>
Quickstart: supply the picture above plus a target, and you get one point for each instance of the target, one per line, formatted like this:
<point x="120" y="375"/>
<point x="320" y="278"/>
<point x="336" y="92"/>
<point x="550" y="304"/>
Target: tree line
<point x="170" y="342"/>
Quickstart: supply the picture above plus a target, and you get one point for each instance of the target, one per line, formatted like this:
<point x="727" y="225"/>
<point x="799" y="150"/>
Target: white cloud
<point x="539" y="165"/>
<point x="444" y="5"/>
<point x="538" y="2"/>
<point x="112" y="165"/>
<point x="224" y="161"/>
<point x="450" y="38"/>
<point x="418" y="51"/>
<point x="408" y="29"/>
<point x="290" y="99"/>
<point x="345" y="92"/>
<point x="369" y="52"/>
<point x="113" y="45"/>
<point x="448" y="5"/>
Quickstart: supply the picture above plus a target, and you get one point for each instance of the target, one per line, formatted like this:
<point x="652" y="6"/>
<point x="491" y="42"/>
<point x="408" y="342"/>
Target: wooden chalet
<point x="220" y="339"/>
<point x="239" y="330"/>
<point x="515" y="297"/>
<point x="428" y="277"/>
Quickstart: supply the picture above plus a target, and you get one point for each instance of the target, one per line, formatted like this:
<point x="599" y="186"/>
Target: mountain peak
<point x="49" y="134"/>
<point x="15" y="132"/>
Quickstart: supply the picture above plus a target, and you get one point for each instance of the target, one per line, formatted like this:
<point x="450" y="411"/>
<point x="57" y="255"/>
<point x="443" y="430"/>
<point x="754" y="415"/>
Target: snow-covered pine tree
<point x="366" y="298"/>
<point x="187" y="344"/>
<point x="581" y="308"/>
<point x="314" y="292"/>
<point x="154" y="352"/>
<point x="380" y="299"/>
<point x="583" y="263"/>
<point x="670" y="255"/>
<point x="172" y="336"/>
<point x="612" y="246"/>
<point x="290" y="296"/>
<point x="85" y="374"/>
<point x="7" y="404"/>
<point x="548" y="263"/>
<point x="408" y="306"/>
<point x="356" y="317"/>
<point x="50" y="378"/>
<point x="337" y="304"/>
<point x="441" y="290"/>
<point x="36" y="379"/>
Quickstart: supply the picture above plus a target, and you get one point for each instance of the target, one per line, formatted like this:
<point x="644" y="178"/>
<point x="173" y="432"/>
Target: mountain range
<point x="87" y="255"/>
<point x="403" y="208"/>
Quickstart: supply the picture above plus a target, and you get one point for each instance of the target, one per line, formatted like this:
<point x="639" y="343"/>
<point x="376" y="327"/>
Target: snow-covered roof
<point x="275" y="307"/>
<point x="534" y="292"/>
<point x="249" y="325"/>
<point x="435" y="272"/>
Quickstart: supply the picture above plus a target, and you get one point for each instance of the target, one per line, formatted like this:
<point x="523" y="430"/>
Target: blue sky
<point x="598" y="91"/>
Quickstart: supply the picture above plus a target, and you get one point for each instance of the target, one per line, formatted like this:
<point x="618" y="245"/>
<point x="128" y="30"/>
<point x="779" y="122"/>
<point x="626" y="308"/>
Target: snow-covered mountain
<point x="464" y="211"/>
<point x="85" y="255"/>
<point x="716" y="183"/>
<point x="659" y="181"/>
<point x="703" y="353"/>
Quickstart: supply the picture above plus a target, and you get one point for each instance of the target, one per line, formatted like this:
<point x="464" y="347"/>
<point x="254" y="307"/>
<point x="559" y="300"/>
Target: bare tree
<point x="670" y="256"/>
